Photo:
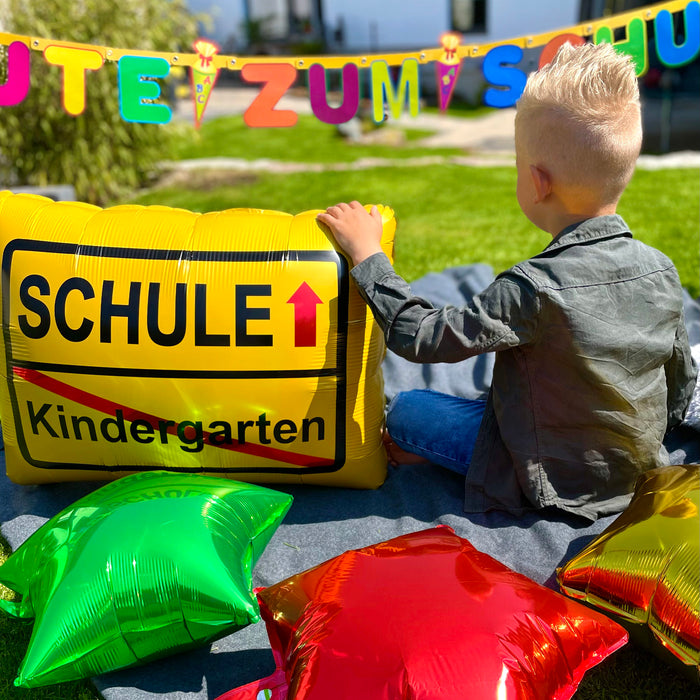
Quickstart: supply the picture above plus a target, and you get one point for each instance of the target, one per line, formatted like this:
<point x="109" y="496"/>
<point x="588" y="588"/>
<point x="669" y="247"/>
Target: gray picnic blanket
<point x="324" y="522"/>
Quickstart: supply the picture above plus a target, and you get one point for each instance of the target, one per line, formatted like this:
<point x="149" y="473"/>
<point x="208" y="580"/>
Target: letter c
<point x="78" y="284"/>
<point x="550" y="50"/>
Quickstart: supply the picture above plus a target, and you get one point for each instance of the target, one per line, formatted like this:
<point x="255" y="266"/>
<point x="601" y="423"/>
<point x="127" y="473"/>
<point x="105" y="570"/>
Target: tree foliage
<point x="97" y="152"/>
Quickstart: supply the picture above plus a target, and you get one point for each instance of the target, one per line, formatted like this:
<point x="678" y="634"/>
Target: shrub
<point x="98" y="152"/>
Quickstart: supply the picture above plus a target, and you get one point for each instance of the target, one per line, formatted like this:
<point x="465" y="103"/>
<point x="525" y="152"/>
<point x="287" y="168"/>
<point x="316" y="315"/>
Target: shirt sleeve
<point x="681" y="376"/>
<point x="503" y="316"/>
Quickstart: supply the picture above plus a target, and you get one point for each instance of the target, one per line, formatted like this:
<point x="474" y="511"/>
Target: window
<point x="594" y="9"/>
<point x="468" y="16"/>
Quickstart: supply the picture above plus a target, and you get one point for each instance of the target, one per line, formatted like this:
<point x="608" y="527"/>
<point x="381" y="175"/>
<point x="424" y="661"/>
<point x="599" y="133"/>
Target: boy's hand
<point x="358" y="232"/>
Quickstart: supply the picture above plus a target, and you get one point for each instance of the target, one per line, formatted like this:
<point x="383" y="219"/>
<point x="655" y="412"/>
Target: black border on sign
<point x="189" y="256"/>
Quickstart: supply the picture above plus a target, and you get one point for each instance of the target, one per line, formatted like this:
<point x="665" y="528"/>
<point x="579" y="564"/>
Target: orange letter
<point x="549" y="51"/>
<point x="277" y="79"/>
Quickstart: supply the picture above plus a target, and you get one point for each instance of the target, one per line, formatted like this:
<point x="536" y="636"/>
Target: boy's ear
<point x="542" y="182"/>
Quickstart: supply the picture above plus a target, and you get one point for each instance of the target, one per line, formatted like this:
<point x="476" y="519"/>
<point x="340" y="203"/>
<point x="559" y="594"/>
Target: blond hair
<point x="579" y="116"/>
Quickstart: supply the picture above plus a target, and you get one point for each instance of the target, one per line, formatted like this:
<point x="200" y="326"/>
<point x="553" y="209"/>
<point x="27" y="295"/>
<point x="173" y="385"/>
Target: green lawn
<point x="310" y="141"/>
<point x="447" y="215"/>
<point x="452" y="215"/>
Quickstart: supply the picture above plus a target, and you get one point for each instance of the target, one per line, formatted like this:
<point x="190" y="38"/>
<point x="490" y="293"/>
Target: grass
<point x="14" y="638"/>
<point x="451" y="215"/>
<point x="229" y="137"/>
<point x="459" y="108"/>
<point x="632" y="673"/>
<point x="448" y="215"/>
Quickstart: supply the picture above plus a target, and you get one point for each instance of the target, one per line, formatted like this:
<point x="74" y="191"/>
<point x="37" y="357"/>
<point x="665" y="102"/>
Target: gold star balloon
<point x="645" y="568"/>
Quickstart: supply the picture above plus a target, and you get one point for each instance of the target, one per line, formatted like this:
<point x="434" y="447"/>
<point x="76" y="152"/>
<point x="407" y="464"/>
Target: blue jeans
<point x="439" y="427"/>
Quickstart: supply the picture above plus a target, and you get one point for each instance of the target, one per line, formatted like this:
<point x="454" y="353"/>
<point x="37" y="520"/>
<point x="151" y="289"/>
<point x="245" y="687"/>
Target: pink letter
<point x="16" y="86"/>
<point x="75" y="62"/>
<point x="319" y="97"/>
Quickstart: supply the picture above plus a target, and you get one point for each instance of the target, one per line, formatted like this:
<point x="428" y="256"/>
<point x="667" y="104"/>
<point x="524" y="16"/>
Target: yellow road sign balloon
<point x="231" y="343"/>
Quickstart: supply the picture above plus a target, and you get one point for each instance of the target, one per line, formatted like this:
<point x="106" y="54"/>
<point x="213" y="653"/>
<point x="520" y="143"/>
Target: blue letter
<point x="670" y="53"/>
<point x="499" y="70"/>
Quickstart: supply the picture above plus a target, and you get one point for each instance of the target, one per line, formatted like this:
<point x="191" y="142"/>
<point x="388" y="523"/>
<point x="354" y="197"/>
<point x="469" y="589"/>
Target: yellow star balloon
<point x="645" y="568"/>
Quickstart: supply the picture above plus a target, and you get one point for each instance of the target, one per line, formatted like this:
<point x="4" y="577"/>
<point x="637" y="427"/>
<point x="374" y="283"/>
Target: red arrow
<point x="304" y="300"/>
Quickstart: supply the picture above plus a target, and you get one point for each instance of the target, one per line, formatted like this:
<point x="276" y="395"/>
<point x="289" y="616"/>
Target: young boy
<point x="592" y="361"/>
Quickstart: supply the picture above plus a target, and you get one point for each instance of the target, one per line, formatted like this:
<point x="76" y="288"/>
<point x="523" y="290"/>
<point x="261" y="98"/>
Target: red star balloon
<point x="425" y="616"/>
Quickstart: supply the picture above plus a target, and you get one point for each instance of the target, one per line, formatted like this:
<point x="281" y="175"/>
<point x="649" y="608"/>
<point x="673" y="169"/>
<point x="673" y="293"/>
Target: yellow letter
<point x="75" y="62"/>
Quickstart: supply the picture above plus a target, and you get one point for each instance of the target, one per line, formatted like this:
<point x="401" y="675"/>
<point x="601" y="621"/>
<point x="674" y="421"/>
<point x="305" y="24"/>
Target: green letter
<point x="383" y="87"/>
<point x="635" y="46"/>
<point x="135" y="88"/>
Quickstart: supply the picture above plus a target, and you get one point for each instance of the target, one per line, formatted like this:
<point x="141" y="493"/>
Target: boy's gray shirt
<point x="592" y="366"/>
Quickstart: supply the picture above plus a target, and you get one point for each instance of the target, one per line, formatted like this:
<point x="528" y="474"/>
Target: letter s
<point x="33" y="304"/>
<point x="499" y="69"/>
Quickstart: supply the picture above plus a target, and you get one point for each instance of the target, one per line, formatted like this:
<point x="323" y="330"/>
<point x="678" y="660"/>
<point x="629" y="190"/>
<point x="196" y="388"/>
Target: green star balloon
<point x="148" y="565"/>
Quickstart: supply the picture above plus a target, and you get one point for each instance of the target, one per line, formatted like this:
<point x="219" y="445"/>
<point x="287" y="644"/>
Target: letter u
<point x="180" y="324"/>
<point x="318" y="94"/>
<point x="675" y="55"/>
<point x="16" y="86"/>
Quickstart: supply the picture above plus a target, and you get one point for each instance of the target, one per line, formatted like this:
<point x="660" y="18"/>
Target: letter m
<point x="383" y="88"/>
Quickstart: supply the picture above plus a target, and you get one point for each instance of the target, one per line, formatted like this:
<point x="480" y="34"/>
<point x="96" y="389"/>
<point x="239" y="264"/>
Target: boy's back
<point x="582" y="407"/>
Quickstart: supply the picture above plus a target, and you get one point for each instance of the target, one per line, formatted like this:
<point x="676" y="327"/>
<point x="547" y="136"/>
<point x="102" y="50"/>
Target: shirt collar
<point x="589" y="230"/>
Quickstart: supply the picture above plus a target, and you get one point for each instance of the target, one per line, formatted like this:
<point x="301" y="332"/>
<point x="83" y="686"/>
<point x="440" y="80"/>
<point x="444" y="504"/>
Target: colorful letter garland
<point x="139" y="69"/>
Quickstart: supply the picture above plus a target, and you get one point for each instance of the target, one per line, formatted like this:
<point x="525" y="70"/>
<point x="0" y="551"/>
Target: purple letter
<point x="319" y="97"/>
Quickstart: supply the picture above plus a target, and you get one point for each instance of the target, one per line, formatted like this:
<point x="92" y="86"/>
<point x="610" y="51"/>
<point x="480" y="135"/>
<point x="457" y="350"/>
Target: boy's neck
<point x="557" y="221"/>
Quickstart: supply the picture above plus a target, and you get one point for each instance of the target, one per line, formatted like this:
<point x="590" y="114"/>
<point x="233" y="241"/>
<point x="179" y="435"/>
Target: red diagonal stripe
<point x="110" y="408"/>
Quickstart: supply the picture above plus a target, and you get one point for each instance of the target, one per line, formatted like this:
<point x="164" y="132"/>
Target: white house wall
<point x="510" y="18"/>
<point x="225" y="19"/>
<point x="387" y="24"/>
<point x="394" y="24"/>
<point x="411" y="24"/>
